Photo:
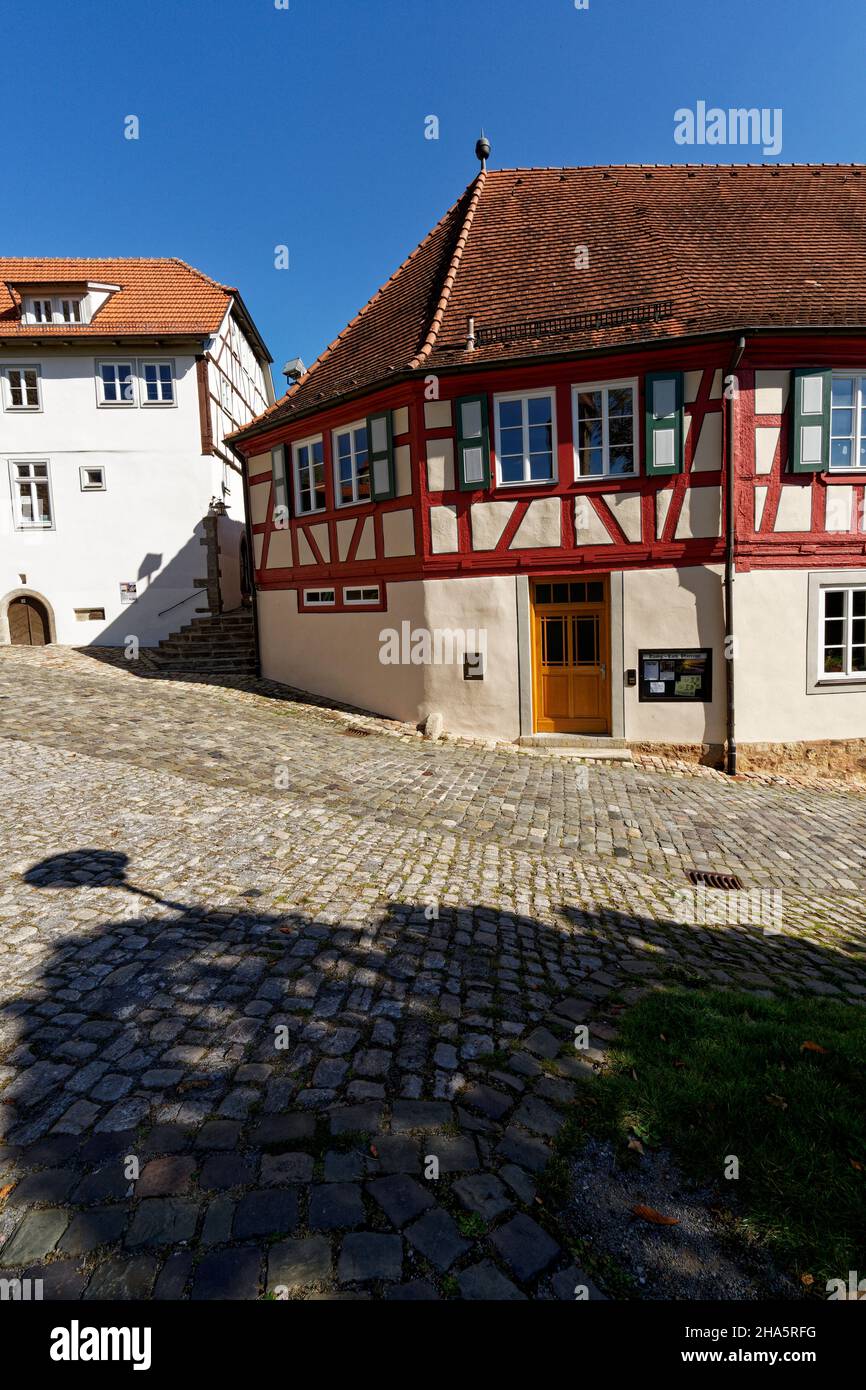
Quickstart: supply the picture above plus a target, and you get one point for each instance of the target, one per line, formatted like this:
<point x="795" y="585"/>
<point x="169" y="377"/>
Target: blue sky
<point x="305" y="126"/>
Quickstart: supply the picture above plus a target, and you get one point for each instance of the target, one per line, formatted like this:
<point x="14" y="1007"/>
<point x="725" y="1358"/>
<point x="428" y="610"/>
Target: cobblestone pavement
<point x="283" y="974"/>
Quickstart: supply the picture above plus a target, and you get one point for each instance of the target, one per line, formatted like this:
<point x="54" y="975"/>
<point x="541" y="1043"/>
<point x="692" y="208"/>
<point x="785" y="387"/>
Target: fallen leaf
<point x="374" y="1151"/>
<point x="812" y="1047"/>
<point x="662" y="1036"/>
<point x="287" y="931"/>
<point x="807" y="1279"/>
<point x="633" y="1074"/>
<point x="4" y="1191"/>
<point x="635" y="1144"/>
<point x="779" y="1102"/>
<point x="852" y="1161"/>
<point x="678" y="1063"/>
<point x="656" y="1217"/>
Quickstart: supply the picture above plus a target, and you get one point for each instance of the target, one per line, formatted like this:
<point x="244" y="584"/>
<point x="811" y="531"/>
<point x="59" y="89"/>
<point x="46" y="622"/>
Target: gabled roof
<point x="720" y="247"/>
<point x="164" y="296"/>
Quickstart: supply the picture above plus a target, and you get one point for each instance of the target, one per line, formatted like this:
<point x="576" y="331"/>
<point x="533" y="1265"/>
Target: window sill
<point x="834" y="683"/>
<point x="504" y="486"/>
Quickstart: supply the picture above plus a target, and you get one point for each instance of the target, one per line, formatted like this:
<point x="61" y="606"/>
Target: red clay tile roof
<point x="164" y="296"/>
<point x="727" y="246"/>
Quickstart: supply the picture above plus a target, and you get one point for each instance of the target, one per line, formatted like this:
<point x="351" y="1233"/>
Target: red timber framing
<point x="815" y="548"/>
<point x="658" y="544"/>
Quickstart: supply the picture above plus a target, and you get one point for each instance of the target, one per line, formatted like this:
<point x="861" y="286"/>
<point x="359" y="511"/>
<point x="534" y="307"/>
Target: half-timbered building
<point x="602" y="438"/>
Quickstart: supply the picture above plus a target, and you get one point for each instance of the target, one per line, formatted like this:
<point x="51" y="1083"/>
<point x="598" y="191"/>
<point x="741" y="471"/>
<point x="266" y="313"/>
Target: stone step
<point x="574" y="742"/>
<point x="217" y="668"/>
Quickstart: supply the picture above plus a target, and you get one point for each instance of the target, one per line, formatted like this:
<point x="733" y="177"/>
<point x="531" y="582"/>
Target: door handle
<point x="603" y="671"/>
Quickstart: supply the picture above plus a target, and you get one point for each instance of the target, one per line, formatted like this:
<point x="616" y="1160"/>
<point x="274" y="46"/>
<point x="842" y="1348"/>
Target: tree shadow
<point x="180" y="1083"/>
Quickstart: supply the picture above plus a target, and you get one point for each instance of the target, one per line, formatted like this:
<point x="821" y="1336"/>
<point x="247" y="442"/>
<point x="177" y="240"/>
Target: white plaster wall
<point x="771" y="611"/>
<point x="145" y="527"/>
<point x="337" y="654"/>
<point x="672" y="608"/>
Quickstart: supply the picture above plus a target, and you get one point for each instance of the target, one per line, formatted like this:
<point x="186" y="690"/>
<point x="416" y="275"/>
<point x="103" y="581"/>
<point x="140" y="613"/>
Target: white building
<point x="120" y="379"/>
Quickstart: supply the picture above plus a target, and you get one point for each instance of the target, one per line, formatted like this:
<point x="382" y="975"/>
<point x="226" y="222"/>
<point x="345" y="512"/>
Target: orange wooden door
<point x="570" y="661"/>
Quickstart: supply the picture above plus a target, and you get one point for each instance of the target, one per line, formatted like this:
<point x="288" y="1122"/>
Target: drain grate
<point x="708" y="878"/>
<point x="352" y="732"/>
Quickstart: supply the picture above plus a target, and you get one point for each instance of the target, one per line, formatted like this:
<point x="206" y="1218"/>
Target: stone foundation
<point x="832" y="756"/>
<point x="705" y="754"/>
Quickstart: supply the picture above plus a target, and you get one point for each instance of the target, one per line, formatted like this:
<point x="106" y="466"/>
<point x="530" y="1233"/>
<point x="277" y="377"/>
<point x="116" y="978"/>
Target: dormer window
<point x="62" y="308"/>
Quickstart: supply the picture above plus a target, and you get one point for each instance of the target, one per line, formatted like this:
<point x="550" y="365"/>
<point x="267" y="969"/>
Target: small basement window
<point x="90" y="615"/>
<point x="359" y="596"/>
<point x="319" y="598"/>
<point x="92" y="478"/>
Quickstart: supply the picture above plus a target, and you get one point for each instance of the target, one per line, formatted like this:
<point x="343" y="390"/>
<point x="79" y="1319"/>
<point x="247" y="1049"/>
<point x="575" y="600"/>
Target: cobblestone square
<point x="287" y="1000"/>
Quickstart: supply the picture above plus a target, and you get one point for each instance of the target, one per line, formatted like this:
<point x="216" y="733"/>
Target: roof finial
<point x="482" y="149"/>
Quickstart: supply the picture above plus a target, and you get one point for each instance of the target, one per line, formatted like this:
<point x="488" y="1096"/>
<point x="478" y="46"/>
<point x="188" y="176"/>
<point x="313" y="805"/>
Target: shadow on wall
<point x="151" y="1037"/>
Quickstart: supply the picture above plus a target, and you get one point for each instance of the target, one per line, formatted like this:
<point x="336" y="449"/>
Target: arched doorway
<point x="28" y="622"/>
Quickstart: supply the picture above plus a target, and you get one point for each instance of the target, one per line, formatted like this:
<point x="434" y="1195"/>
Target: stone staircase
<point x="221" y="645"/>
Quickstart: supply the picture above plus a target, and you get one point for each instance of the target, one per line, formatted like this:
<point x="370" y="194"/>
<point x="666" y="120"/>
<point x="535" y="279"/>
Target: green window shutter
<point x="380" y="445"/>
<point x="810" y="406"/>
<point x="473" y="443"/>
<point x="664" y="423"/>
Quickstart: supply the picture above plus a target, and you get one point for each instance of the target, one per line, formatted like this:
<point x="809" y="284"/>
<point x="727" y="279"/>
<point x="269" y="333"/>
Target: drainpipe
<point x="251" y="558"/>
<point x="730" y="533"/>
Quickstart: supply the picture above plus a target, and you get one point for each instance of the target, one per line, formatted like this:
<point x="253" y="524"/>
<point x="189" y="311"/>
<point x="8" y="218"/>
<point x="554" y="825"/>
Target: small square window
<point x="92" y="478"/>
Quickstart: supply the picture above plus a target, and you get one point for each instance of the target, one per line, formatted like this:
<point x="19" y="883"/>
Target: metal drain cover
<point x="708" y="878"/>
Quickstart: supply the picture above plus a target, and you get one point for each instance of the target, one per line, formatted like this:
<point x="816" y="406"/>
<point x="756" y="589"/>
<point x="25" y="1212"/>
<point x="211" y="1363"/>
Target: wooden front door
<point x="571" y="656"/>
<point x="28" y="622"/>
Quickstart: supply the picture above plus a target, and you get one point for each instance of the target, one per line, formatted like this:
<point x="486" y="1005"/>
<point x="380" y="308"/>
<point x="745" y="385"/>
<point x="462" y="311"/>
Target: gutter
<point x="730" y="534"/>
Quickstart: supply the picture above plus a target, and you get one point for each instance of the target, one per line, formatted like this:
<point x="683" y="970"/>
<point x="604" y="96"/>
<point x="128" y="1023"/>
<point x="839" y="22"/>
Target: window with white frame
<point x="352" y="465"/>
<point x="361" y="594"/>
<point x="115" y="383"/>
<point x="525" y="437"/>
<point x="55" y="309"/>
<point x="31" y="495"/>
<point x="21" y="388"/>
<point x="40" y="311"/>
<point x="226" y="394"/>
<point x="158" y="382"/>
<point x="848" y="423"/>
<point x="309" y="470"/>
<point x="605" y="429"/>
<point x="92" y="477"/>
<point x="843" y="632"/>
<point x="319" y="598"/>
<point x="281" y="494"/>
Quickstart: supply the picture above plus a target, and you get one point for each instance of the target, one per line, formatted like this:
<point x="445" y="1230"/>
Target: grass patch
<point x="711" y="1073"/>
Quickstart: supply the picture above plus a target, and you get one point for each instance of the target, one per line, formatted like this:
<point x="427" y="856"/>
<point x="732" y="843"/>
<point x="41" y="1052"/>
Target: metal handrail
<point x="163" y="611"/>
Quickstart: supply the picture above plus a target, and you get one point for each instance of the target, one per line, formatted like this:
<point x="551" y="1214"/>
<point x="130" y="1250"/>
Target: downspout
<point x="731" y="392"/>
<point x="251" y="556"/>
